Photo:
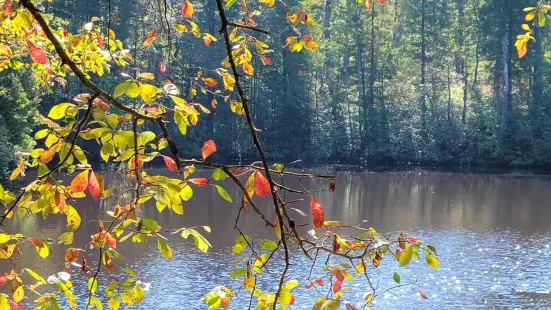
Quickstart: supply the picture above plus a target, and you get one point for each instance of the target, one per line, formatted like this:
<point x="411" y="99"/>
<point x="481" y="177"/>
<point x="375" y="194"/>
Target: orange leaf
<point x="208" y="148"/>
<point x="151" y="33"/>
<point x="37" y="54"/>
<point x="71" y="255"/>
<point x="93" y="186"/>
<point x="198" y="181"/>
<point x="187" y="9"/>
<point x="337" y="286"/>
<point x="210" y="82"/>
<point x="48" y="155"/>
<point x="163" y="68"/>
<point x="170" y="163"/>
<point x="317" y="213"/>
<point x="17" y="171"/>
<point x="149" y="41"/>
<point x="422" y="295"/>
<point x="111" y="241"/>
<point x="248" y="69"/>
<point x="80" y="182"/>
<point x="261" y="185"/>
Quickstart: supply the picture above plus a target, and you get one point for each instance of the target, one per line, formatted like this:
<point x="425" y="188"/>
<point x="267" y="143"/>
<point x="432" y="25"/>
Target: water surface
<point x="492" y="233"/>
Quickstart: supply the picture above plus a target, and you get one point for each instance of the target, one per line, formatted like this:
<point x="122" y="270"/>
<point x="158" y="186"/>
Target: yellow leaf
<point x="17" y="171"/>
<point x="248" y="69"/>
<point x="541" y="19"/>
<point x="530" y="16"/>
<point x="18" y="294"/>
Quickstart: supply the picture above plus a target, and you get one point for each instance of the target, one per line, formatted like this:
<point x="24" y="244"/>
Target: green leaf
<point x="200" y="242"/>
<point x="92" y="285"/>
<point x="180" y="28"/>
<point x="291" y="284"/>
<point x="165" y="250"/>
<point x="35" y="275"/>
<point x="137" y="293"/>
<point x="59" y="111"/>
<point x="268" y="245"/>
<point x="121" y="88"/>
<point x="405" y="256"/>
<point x="238" y="273"/>
<point x="186" y="193"/>
<point x="431" y="259"/>
<point x="396" y="277"/>
<point x="240" y="244"/>
<point x="114" y="303"/>
<point x="223" y="193"/>
<point x="230" y="3"/>
<point x="219" y="175"/>
<point x="66" y="238"/>
<point x="95" y="302"/>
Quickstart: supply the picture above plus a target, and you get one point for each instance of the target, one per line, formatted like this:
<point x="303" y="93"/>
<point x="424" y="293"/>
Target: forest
<point x="221" y="97"/>
<point x="430" y="82"/>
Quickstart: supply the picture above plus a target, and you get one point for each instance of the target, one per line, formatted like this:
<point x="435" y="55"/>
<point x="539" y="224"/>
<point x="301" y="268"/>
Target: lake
<point x="492" y="233"/>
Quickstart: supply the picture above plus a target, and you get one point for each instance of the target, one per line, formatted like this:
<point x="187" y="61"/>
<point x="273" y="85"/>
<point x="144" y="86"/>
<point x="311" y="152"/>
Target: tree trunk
<point x="506" y="82"/>
<point x="327" y="31"/>
<point x="423" y="67"/>
<point x="449" y="97"/>
<point x="538" y="66"/>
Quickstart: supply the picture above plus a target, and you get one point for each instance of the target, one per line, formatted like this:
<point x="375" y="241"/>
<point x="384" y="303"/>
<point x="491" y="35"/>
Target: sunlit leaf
<point x="261" y="184"/>
<point x="187" y="9"/>
<point x="317" y="213"/>
<point x="80" y="182"/>
<point x="209" y="148"/>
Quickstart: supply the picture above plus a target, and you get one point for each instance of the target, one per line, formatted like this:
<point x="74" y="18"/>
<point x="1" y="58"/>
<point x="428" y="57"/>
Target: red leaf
<point x="14" y="305"/>
<point x="36" y="53"/>
<point x="187" y="9"/>
<point x="317" y="213"/>
<point x="110" y="240"/>
<point x="93" y="186"/>
<point x="102" y="105"/>
<point x="422" y="295"/>
<point x="4" y="278"/>
<point x="337" y="286"/>
<point x="382" y="1"/>
<point x="208" y="148"/>
<point x="336" y="244"/>
<point x="332" y="185"/>
<point x="412" y="240"/>
<point x="163" y="68"/>
<point x="170" y="163"/>
<point x="261" y="185"/>
<point x="80" y="182"/>
<point x="198" y="181"/>
<point x="8" y="9"/>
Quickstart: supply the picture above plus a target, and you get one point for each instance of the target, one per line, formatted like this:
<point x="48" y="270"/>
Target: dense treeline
<point x="411" y="81"/>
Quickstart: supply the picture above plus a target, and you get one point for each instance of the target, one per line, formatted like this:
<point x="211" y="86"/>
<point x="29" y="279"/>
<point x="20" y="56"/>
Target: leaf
<point x="530" y="16"/>
<point x="209" y="148"/>
<point x="198" y="181"/>
<point x="92" y="285"/>
<point x="18" y="294"/>
<point x="248" y="69"/>
<point x="224" y="193"/>
<point x="318" y="215"/>
<point x="41" y="248"/>
<point x="36" y="276"/>
<point x="405" y="256"/>
<point x="110" y="240"/>
<point x="200" y="242"/>
<point x="219" y="175"/>
<point x="80" y="182"/>
<point x="396" y="277"/>
<point x="58" y="111"/>
<point x="541" y="19"/>
<point x="94" y="186"/>
<point x="48" y="155"/>
<point x="431" y="259"/>
<point x="164" y="248"/>
<point x="422" y="295"/>
<point x="149" y="41"/>
<point x="37" y="54"/>
<point x="238" y="273"/>
<point x="71" y="255"/>
<point x="240" y="244"/>
<point x="210" y="82"/>
<point x="187" y="9"/>
<point x="170" y="163"/>
<point x="17" y="171"/>
<point x="332" y="185"/>
<point x="268" y="245"/>
<point x="261" y="185"/>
